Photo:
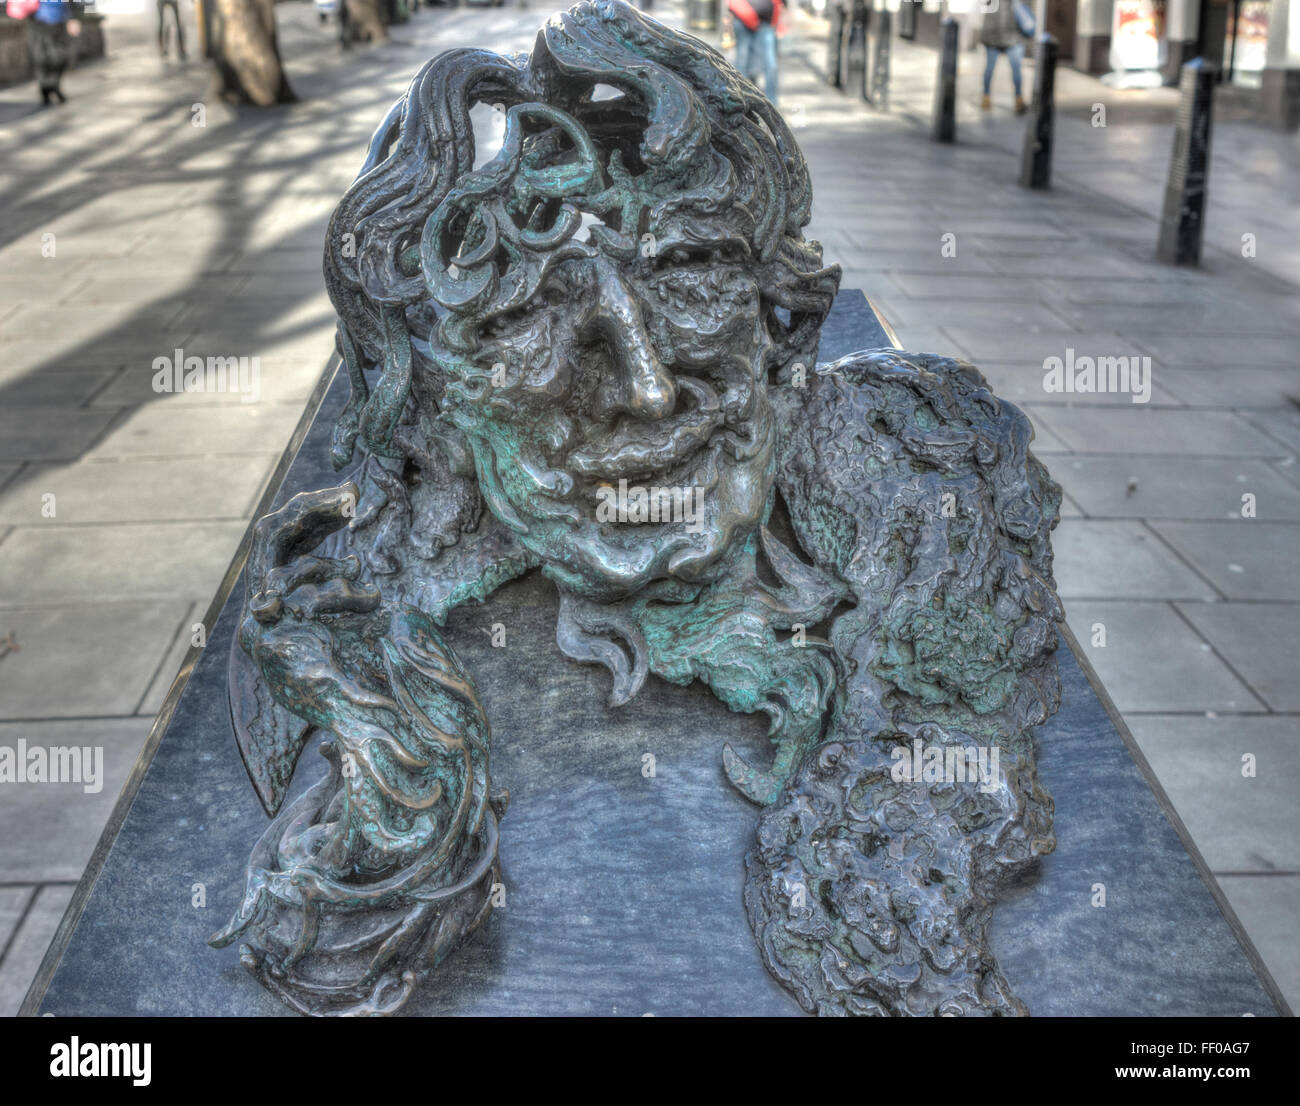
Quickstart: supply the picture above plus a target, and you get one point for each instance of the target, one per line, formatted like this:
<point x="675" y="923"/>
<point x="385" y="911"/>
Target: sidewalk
<point x="209" y="238"/>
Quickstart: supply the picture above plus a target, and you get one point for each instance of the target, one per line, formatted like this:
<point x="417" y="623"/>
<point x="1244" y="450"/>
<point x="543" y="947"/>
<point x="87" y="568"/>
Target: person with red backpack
<point x="756" y="24"/>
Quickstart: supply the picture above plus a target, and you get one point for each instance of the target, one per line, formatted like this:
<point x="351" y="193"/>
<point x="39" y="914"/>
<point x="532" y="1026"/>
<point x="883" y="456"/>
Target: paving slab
<point x="168" y="429"/>
<point x="1244" y="352"/>
<point x="48" y="433"/>
<point x="1246" y="822"/>
<point x="1120" y="559"/>
<point x="1162" y="288"/>
<point x="1154" y="487"/>
<point x="28" y="946"/>
<point x="310" y="337"/>
<point x="13" y="903"/>
<point x="54" y="389"/>
<point x="1192" y="315"/>
<point x="137" y="491"/>
<point x="1252" y="637"/>
<point x="1264" y="388"/>
<point x="912" y="312"/>
<point x="285" y="380"/>
<point x="961" y="286"/>
<point x="1048" y="261"/>
<point x="1030" y="344"/>
<point x="1283" y="423"/>
<point x="39" y="321"/>
<point x="1141" y="429"/>
<point x="84" y="564"/>
<point x="1245" y="559"/>
<point x="59" y="823"/>
<point x="880" y="259"/>
<point x="1153" y="661"/>
<point x="83" y="661"/>
<point x="66" y="353"/>
<point x="1268" y="907"/>
<point x="99" y="283"/>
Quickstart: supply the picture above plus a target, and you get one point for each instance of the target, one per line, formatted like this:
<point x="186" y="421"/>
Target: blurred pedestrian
<point x="50" y="30"/>
<point x="1001" y="32"/>
<point x="756" y="24"/>
<point x="163" y="5"/>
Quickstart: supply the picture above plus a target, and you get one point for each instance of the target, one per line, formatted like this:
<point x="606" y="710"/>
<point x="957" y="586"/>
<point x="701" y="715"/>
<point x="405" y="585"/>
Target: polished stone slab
<point x="624" y="889"/>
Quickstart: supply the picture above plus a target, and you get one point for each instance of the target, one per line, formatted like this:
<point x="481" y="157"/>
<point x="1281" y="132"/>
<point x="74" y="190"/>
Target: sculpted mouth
<point x="635" y="448"/>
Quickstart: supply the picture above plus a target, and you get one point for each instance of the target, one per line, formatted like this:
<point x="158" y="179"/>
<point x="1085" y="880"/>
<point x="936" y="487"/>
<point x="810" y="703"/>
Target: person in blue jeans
<point x="755" y="25"/>
<point x="1000" y="34"/>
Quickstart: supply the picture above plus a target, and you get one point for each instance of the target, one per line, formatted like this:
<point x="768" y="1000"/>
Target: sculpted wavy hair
<point x="414" y="267"/>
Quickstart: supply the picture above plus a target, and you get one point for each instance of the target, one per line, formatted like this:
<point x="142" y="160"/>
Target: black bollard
<point x="835" y="46"/>
<point x="867" y="16"/>
<point x="702" y="15"/>
<point x="907" y="19"/>
<point x="1182" y="223"/>
<point x="944" y="124"/>
<point x="1036" y="153"/>
<point x="855" y="64"/>
<point x="880" y="62"/>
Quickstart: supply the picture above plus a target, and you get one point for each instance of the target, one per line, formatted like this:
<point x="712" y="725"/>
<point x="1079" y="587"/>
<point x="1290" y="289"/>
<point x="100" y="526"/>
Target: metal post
<point x="702" y="15"/>
<point x="1036" y="153"/>
<point x="907" y="18"/>
<point x="865" y="87"/>
<point x="835" y="46"/>
<point x="944" y="125"/>
<point x="855" y="62"/>
<point x="1182" y="223"/>
<point x="204" y="16"/>
<point x="880" y="63"/>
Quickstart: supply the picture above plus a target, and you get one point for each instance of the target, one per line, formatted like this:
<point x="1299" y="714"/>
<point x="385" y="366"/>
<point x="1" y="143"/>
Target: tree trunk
<point x="246" y="53"/>
<point x="367" y="15"/>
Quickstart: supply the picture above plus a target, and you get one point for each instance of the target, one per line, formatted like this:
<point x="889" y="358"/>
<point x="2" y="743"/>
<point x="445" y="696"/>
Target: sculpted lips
<point x="633" y="448"/>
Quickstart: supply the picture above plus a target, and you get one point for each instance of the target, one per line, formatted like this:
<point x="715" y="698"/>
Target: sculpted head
<point x="605" y="300"/>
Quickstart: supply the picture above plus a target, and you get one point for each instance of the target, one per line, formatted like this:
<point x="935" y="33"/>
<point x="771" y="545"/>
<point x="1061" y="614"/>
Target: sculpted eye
<point x="552" y="292"/>
<point x="733" y="253"/>
<point x="712" y="254"/>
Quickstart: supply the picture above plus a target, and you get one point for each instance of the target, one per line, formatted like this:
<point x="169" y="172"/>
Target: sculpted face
<point x="646" y="380"/>
<point x="617" y="412"/>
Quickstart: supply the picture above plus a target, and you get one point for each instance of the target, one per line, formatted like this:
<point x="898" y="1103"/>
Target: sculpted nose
<point x="643" y="388"/>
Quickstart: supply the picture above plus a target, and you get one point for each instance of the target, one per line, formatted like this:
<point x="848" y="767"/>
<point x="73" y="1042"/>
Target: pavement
<point x="207" y="238"/>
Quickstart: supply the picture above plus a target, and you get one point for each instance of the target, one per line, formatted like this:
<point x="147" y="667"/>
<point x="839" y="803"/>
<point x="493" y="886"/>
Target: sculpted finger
<point x="334" y="597"/>
<point x="282" y="579"/>
<point x="299" y="527"/>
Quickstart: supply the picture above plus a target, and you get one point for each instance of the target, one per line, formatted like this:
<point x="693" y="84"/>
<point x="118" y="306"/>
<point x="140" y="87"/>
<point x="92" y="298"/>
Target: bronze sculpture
<point x="606" y="336"/>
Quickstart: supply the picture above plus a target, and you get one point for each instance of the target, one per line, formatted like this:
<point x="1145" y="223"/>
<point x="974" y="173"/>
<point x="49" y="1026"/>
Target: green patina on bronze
<point x="621" y="303"/>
